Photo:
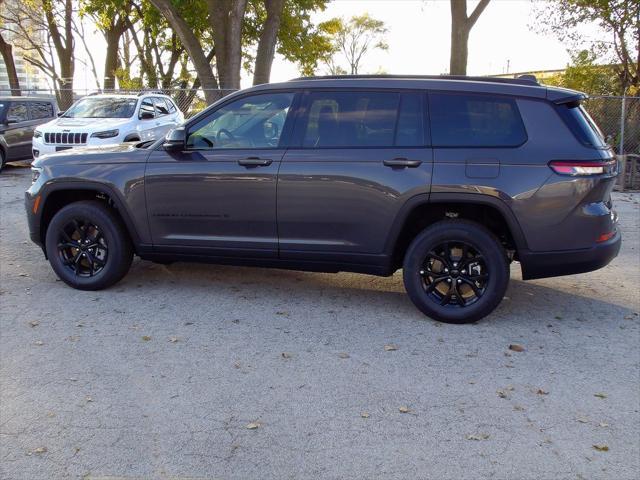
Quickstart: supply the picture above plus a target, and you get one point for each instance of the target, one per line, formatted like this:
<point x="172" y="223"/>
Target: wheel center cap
<point x="454" y="273"/>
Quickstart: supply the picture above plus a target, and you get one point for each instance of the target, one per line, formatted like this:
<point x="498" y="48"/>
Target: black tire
<point x="2" y="159"/>
<point x="471" y="278"/>
<point x="107" y="245"/>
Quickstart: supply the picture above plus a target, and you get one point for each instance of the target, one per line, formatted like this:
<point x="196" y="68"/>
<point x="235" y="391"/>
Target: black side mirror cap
<point x="175" y="140"/>
<point x="61" y="113"/>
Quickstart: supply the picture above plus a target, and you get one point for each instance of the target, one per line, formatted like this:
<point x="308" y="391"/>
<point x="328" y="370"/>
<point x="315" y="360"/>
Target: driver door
<point x="218" y="195"/>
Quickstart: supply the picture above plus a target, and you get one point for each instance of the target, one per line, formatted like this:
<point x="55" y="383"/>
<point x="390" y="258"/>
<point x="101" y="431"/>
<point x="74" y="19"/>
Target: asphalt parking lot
<point x="218" y="372"/>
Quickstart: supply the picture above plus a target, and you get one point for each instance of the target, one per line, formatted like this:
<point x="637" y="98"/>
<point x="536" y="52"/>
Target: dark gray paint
<point x="345" y="206"/>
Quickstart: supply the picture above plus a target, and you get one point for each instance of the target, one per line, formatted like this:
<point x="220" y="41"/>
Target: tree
<point x="353" y="39"/>
<point x="619" y="22"/>
<point x="587" y="76"/>
<point x="45" y="30"/>
<point x="111" y="17"/>
<point x="6" y="50"/>
<point x="461" y="26"/>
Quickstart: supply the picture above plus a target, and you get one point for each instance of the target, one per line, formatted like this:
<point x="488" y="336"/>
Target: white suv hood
<point x="92" y="124"/>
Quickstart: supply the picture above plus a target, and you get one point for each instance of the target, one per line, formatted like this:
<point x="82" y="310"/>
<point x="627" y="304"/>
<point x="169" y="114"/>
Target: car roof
<point x="32" y="98"/>
<point x="522" y="87"/>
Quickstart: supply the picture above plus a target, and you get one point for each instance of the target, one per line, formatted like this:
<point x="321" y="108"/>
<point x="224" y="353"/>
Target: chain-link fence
<point x="189" y="100"/>
<point x="619" y="120"/>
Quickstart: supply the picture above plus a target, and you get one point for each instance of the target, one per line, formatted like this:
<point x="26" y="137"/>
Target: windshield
<point x="101" y="107"/>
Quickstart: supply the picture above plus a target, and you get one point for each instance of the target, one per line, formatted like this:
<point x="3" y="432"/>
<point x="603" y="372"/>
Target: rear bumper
<point x="569" y="262"/>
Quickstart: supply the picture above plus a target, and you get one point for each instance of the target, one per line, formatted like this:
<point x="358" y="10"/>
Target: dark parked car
<point x="450" y="179"/>
<point x="19" y="116"/>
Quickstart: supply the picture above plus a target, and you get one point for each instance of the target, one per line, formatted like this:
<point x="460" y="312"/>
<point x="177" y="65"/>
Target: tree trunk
<point x="268" y="40"/>
<point x="461" y="26"/>
<point x="7" y="55"/>
<point x="192" y="46"/>
<point x="112" y="37"/>
<point x="226" y="18"/>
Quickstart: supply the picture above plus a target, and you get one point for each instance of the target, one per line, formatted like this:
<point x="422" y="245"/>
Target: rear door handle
<point x="402" y="163"/>
<point x="255" y="162"/>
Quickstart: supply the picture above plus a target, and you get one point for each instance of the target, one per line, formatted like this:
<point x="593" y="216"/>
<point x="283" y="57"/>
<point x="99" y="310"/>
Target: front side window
<point x="102" y="107"/>
<point x="351" y="119"/>
<point x="41" y="110"/>
<point x="462" y="120"/>
<point x="147" y="109"/>
<point x="251" y="122"/>
<point x="17" y="112"/>
<point x="160" y="106"/>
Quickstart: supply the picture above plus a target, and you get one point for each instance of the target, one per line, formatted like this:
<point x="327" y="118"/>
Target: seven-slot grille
<point x="65" y="138"/>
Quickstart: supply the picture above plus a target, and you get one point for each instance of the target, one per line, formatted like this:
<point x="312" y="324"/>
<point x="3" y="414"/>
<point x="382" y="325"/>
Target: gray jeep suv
<point x="449" y="178"/>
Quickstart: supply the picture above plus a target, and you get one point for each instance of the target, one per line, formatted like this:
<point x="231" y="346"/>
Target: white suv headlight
<point x="37" y="134"/>
<point x="106" y="134"/>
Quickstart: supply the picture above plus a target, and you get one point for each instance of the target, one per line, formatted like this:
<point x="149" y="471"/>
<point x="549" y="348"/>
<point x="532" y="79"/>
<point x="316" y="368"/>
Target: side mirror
<point x="145" y="115"/>
<point x="61" y="113"/>
<point x="175" y="140"/>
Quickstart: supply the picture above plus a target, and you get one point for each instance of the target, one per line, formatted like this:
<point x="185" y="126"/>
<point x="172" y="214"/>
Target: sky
<point x="419" y="39"/>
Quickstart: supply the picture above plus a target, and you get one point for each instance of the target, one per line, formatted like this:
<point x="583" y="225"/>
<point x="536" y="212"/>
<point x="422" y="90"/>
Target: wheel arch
<point x="423" y="210"/>
<point x="60" y="195"/>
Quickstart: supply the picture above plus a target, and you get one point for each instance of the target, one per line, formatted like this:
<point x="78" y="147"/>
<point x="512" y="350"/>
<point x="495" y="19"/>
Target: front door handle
<point x="255" y="162"/>
<point x="402" y="163"/>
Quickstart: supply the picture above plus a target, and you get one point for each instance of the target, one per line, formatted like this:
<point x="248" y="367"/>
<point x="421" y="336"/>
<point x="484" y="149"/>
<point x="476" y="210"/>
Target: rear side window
<point x="461" y="120"/>
<point x="17" y="112"/>
<point x="40" y="110"/>
<point x="351" y="119"/>
<point x="582" y="125"/>
<point x="170" y="105"/>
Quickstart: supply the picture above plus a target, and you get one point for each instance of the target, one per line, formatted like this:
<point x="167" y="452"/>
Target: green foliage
<point x="616" y="44"/>
<point x="587" y="76"/>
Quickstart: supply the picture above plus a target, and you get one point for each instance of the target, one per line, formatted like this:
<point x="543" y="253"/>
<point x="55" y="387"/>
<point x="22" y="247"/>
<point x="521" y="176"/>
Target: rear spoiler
<point x="564" y="96"/>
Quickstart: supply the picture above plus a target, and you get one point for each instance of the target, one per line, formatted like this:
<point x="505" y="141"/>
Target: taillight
<point x="582" y="168"/>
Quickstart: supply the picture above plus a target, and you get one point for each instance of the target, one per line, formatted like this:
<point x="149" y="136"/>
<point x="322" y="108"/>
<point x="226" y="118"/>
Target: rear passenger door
<point x="163" y="118"/>
<point x="18" y="131"/>
<point x="355" y="159"/>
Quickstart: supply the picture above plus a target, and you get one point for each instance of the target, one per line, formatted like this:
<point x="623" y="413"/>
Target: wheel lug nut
<point x="459" y="281"/>
<point x="448" y="280"/>
<point x="446" y="270"/>
<point x="421" y="272"/>
<point x="455" y="264"/>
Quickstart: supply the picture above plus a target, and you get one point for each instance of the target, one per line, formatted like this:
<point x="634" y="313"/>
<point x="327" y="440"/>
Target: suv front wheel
<point x="88" y="246"/>
<point x="456" y="271"/>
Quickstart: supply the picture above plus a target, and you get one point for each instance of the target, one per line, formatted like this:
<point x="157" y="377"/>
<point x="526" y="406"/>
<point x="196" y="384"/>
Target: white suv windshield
<point x="102" y="108"/>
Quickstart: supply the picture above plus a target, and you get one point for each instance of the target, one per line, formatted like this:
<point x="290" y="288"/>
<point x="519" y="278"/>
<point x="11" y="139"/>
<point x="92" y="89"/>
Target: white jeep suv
<point x="107" y="119"/>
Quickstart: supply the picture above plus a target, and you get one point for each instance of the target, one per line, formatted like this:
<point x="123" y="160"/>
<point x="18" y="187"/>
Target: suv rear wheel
<point x="456" y="271"/>
<point x="88" y="246"/>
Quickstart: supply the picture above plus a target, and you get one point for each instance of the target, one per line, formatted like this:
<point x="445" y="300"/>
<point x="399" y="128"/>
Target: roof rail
<point x="152" y="92"/>
<point x="521" y="80"/>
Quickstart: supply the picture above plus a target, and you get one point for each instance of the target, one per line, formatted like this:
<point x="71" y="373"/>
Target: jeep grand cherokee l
<point x="448" y="178"/>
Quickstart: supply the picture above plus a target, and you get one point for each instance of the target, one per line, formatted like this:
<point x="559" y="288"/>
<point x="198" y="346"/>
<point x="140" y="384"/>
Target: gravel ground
<point x="162" y="375"/>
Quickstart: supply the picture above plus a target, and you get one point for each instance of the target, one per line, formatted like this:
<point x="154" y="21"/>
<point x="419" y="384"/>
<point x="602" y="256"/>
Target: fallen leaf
<point x="542" y="392"/>
<point x="343" y="355"/>
<point x="601" y="448"/>
<point x="146" y="338"/>
<point x="39" y="342"/>
<point x="600" y="395"/>
<point x="519" y="408"/>
<point x="582" y="420"/>
<point x="51" y="414"/>
<point x="34" y="323"/>
<point x="253" y="425"/>
<point x="390" y="348"/>
<point x="89" y="399"/>
<point x="478" y="437"/>
<point x="404" y="409"/>
<point x="173" y="339"/>
<point x="603" y="425"/>
<point x="23" y="274"/>
<point x="237" y="365"/>
<point x="501" y="393"/>
<point x="364" y="414"/>
<point x="285" y="355"/>
<point x="516" y="347"/>
<point x="40" y="450"/>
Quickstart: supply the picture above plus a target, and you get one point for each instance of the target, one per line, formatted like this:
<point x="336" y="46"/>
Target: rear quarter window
<point x="582" y="125"/>
<point x="467" y="120"/>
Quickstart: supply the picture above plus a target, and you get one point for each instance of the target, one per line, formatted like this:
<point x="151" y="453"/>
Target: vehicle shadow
<point x="532" y="302"/>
